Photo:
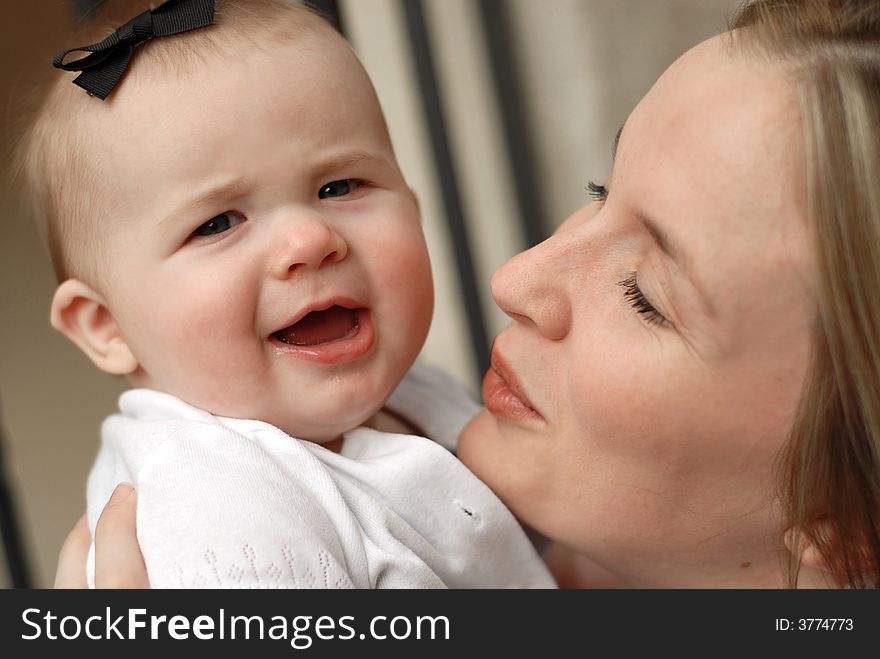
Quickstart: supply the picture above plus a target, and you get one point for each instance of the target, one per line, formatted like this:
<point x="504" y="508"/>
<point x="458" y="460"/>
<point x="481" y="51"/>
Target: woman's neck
<point x="575" y="570"/>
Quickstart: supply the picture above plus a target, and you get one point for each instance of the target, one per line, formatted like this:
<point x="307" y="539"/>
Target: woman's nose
<point x="309" y="242"/>
<point x="530" y="288"/>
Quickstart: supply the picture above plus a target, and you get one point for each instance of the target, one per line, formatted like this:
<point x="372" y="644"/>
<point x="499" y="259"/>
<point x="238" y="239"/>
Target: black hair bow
<point x="108" y="59"/>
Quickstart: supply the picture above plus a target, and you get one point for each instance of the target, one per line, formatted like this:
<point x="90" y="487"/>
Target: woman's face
<point x="660" y="339"/>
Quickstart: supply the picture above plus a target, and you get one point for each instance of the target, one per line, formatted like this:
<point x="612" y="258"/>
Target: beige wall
<point x="52" y="400"/>
<point x="586" y="63"/>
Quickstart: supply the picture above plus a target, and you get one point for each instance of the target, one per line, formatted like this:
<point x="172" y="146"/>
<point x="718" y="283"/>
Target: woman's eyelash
<point x="633" y="294"/>
<point x="597" y="191"/>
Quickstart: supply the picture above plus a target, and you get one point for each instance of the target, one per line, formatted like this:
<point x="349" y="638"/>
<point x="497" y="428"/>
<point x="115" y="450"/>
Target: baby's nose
<point x="307" y="243"/>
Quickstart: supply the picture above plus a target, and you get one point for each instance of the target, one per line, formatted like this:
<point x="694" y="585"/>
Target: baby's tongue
<point x="321" y="327"/>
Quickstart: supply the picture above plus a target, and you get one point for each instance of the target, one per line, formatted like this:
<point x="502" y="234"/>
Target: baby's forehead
<point x="239" y="55"/>
<point x="168" y="74"/>
<point x="239" y="30"/>
<point x="215" y="114"/>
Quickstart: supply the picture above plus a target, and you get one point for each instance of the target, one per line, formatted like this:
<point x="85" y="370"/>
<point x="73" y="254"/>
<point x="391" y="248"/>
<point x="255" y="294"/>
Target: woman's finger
<point x="71" y="571"/>
<point x="118" y="560"/>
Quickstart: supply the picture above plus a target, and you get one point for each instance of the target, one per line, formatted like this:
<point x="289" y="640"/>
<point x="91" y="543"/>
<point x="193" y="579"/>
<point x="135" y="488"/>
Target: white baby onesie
<point x="235" y="503"/>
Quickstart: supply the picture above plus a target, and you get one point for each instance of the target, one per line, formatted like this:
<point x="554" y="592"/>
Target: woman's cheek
<point x="627" y="398"/>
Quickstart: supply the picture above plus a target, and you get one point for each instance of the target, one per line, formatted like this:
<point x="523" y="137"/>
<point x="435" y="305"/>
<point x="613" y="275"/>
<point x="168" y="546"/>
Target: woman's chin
<point x="476" y="439"/>
<point x="497" y="460"/>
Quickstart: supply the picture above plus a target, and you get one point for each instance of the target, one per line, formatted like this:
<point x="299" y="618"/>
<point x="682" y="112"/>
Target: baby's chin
<point x="322" y="419"/>
<point x="324" y="430"/>
<point x="317" y="405"/>
<point x="323" y="435"/>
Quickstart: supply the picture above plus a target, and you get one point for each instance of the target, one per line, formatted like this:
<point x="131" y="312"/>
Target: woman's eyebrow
<point x="673" y="250"/>
<point x="669" y="246"/>
<point x="664" y="242"/>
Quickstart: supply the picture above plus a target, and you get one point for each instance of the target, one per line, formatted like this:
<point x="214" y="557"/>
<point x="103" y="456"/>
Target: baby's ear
<point x="82" y="315"/>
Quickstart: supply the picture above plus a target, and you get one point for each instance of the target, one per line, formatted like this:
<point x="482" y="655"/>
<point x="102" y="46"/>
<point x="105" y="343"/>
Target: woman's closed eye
<point x="219" y="224"/>
<point x="341" y="188"/>
<point x="633" y="294"/>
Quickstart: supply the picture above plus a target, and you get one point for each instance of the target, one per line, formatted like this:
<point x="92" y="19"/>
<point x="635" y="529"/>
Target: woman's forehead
<point x="715" y="116"/>
<point x="715" y="154"/>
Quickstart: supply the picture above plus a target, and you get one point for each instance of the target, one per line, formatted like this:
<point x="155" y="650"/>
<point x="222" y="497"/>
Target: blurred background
<point x="500" y="112"/>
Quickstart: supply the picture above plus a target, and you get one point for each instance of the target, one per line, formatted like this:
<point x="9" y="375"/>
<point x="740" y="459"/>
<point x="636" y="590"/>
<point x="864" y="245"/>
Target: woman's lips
<point x="354" y="345"/>
<point x="503" y="395"/>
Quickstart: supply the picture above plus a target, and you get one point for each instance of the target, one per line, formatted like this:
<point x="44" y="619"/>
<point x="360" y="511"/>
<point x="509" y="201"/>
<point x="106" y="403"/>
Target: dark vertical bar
<point x="13" y="547"/>
<point x="424" y="61"/>
<point x="514" y="117"/>
<point x="329" y="9"/>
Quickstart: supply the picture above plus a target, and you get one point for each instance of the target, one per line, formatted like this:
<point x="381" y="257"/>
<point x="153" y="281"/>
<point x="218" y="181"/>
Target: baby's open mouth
<point x="320" y="327"/>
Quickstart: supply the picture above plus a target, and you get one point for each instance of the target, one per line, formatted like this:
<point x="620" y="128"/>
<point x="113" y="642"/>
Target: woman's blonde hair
<point x="830" y="470"/>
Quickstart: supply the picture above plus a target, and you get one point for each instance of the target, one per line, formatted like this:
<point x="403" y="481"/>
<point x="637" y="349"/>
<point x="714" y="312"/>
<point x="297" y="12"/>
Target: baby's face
<point x="267" y="259"/>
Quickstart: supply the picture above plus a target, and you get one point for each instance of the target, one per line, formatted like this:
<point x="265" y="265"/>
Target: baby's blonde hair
<point x="58" y="172"/>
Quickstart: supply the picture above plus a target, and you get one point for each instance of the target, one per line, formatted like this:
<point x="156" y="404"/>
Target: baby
<point x="233" y="234"/>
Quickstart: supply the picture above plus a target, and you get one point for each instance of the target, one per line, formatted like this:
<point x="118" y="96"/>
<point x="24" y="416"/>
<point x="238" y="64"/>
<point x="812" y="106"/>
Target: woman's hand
<point x="118" y="560"/>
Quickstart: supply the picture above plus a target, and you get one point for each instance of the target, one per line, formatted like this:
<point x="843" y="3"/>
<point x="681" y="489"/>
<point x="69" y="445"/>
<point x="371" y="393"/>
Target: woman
<point x="688" y="394"/>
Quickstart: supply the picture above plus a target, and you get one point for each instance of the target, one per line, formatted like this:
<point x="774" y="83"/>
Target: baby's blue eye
<point x="338" y="188"/>
<point x="219" y="224"/>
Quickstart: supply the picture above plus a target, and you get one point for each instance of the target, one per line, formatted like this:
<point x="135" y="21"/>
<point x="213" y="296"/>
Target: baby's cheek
<point x="405" y="255"/>
<point x="417" y="290"/>
<point x="400" y="267"/>
<point x="208" y="329"/>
